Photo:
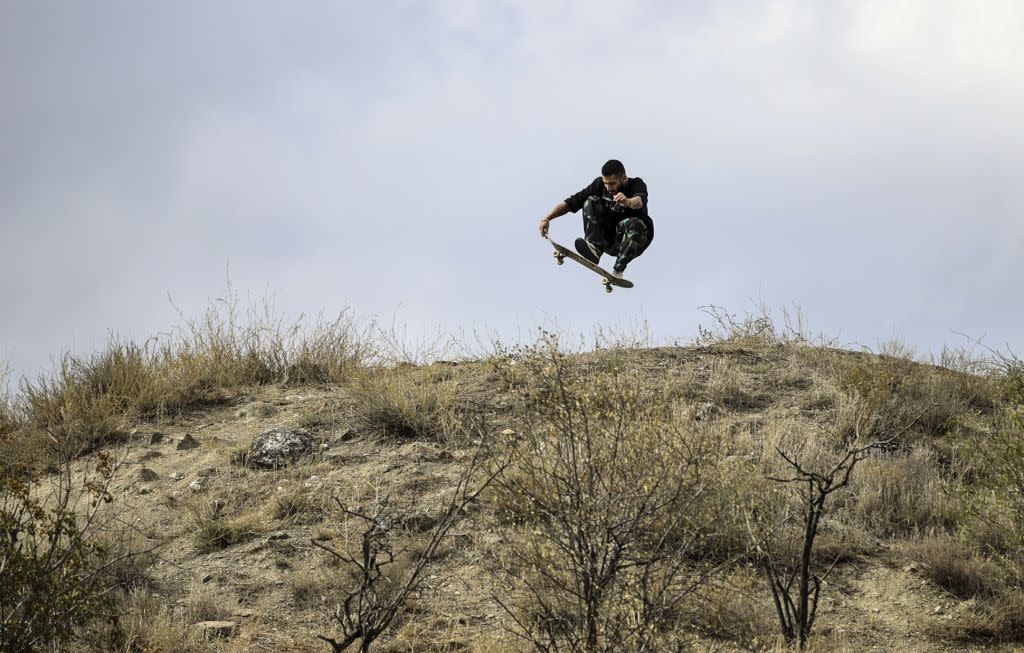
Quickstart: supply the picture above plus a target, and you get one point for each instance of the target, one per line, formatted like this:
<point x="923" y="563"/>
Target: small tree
<point x="795" y="588"/>
<point x="380" y="587"/>
<point x="604" y="489"/>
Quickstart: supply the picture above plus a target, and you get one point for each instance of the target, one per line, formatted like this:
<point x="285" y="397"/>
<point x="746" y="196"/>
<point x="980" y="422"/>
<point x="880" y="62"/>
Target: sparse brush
<point x="10" y="414"/>
<point x="895" y="390"/>
<point x="223" y="523"/>
<point x="394" y="402"/>
<point x="996" y="620"/>
<point x="600" y="463"/>
<point x="728" y="388"/>
<point x="87" y="401"/>
<point x="954" y="567"/>
<point x="904" y="495"/>
<point x="56" y="565"/>
<point x="732" y="608"/>
<point x="999" y="457"/>
<point x="299" y="504"/>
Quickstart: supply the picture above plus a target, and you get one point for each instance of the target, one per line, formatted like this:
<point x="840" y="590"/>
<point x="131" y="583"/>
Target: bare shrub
<point x="382" y="575"/>
<point x="795" y="586"/>
<point x="607" y="485"/>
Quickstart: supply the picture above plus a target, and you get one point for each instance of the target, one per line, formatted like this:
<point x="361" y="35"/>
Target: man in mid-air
<point x="615" y="219"/>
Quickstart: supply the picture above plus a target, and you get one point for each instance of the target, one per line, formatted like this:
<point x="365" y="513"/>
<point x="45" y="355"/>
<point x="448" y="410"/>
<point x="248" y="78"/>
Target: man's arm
<point x="545" y="222"/>
<point x="639" y="199"/>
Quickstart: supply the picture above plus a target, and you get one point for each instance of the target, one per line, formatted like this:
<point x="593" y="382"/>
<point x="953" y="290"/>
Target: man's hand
<point x="621" y="199"/>
<point x="544" y="224"/>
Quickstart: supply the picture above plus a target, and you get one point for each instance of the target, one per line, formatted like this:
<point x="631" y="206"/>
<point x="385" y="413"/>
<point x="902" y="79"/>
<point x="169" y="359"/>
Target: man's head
<point x="613" y="175"/>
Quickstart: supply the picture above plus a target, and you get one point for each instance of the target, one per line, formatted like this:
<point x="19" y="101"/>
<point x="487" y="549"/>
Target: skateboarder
<point x="615" y="219"/>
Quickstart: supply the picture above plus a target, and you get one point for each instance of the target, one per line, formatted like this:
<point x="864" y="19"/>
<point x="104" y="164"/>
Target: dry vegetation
<point x="754" y="489"/>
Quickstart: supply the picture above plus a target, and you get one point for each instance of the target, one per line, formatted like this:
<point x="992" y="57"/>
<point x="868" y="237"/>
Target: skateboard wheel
<point x="608" y="288"/>
<point x="559" y="257"/>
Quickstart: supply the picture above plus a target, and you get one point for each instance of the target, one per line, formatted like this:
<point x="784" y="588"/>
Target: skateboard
<point x="561" y="253"/>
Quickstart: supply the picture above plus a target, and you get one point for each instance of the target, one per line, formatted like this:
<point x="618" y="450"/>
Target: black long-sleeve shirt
<point x="634" y="187"/>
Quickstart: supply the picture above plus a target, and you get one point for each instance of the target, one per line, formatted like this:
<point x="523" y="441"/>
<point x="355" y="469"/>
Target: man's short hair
<point x="613" y="168"/>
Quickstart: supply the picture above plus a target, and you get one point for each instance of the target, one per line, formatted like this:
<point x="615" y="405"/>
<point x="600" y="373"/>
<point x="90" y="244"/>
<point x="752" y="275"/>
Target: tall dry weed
<point x="89" y="401"/>
<point x="899" y="495"/>
<point x="397" y="402"/>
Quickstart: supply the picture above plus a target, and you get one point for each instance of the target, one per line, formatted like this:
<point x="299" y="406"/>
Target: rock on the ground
<point x="147" y="475"/>
<point x="279" y="447"/>
<point x="187" y="442"/>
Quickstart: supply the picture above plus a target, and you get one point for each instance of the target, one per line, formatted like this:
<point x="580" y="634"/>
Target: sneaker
<point x="588" y="250"/>
<point x="619" y="272"/>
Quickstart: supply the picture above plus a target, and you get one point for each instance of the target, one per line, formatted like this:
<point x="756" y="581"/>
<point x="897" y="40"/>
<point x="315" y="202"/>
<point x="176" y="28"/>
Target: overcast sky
<point x="861" y="159"/>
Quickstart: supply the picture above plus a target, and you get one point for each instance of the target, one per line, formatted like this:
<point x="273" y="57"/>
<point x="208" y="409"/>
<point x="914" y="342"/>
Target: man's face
<point x="614" y="183"/>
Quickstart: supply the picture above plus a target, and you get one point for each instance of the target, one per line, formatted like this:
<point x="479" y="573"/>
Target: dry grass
<point x="895" y="391"/>
<point x="958" y="569"/>
<point x="733" y="608"/>
<point x="221" y="523"/>
<point x="90" y="401"/>
<point x="897" y="495"/>
<point x="398" y="402"/>
<point x="1000" y="619"/>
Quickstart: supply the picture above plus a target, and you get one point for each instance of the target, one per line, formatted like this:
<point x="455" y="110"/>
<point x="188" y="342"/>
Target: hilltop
<point x="671" y="460"/>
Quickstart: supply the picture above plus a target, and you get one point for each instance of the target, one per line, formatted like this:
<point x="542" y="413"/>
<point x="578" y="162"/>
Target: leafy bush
<point x="56" y="570"/>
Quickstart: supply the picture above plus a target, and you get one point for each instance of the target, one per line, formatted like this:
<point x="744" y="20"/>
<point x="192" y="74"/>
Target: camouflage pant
<point x="605" y="226"/>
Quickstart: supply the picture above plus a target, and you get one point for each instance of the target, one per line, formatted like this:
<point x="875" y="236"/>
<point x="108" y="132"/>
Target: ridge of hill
<point x="919" y="551"/>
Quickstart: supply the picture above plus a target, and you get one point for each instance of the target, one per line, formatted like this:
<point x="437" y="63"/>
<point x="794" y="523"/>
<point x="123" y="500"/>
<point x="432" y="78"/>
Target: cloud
<point x="860" y="157"/>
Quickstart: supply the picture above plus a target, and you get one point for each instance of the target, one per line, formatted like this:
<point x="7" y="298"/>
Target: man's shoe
<point x="588" y="250"/>
<point x="619" y="272"/>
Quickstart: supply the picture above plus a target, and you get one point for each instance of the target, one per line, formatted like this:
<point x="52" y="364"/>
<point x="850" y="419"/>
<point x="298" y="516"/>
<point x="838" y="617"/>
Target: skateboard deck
<point x="561" y="253"/>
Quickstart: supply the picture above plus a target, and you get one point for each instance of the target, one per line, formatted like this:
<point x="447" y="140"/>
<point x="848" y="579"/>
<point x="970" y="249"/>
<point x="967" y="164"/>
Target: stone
<point x="281" y="535"/>
<point x="196" y="485"/>
<point x="156" y="437"/>
<point x="187" y="442"/>
<point x="147" y="475"/>
<point x="311" y="482"/>
<point x="177" y="476"/>
<point x="221" y="629"/>
<point x="279" y="447"/>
